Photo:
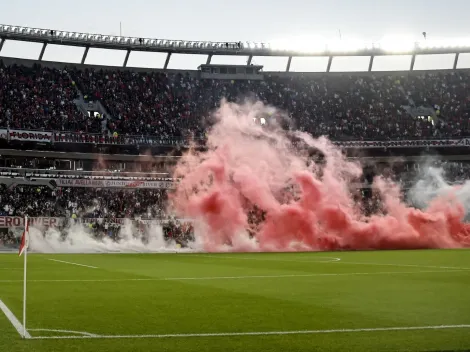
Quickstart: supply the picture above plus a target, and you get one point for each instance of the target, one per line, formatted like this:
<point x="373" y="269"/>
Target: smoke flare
<point x="300" y="190"/>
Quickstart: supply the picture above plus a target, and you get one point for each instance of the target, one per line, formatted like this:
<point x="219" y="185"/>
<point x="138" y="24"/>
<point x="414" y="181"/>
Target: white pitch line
<point x="407" y="265"/>
<point x="86" y="266"/>
<point x="257" y="333"/>
<point x="13" y="320"/>
<point x="82" y="333"/>
<point x="335" y="260"/>
<point x="331" y="259"/>
<point x="239" y="277"/>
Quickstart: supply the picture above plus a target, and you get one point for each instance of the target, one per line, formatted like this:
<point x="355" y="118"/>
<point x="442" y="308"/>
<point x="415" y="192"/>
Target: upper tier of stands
<point x="343" y="107"/>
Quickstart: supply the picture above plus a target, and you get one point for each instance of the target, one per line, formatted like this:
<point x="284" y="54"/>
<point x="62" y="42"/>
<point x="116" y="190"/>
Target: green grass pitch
<point x="342" y="301"/>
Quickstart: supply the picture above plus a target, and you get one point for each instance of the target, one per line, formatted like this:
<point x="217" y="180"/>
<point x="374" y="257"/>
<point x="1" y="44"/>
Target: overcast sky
<point x="243" y="20"/>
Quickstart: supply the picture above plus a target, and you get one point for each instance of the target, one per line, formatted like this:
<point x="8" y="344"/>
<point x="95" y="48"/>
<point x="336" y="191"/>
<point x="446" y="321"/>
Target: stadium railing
<point x="53" y="137"/>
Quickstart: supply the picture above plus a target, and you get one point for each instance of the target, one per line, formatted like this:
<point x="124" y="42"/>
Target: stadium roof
<point x="286" y="50"/>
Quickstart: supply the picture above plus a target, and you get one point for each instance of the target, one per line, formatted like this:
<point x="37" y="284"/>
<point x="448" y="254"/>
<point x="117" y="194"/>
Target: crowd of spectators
<point x="99" y="208"/>
<point x="39" y="98"/>
<point x="83" y="202"/>
<point x="79" y="202"/>
<point x="8" y="239"/>
<point x="176" y="105"/>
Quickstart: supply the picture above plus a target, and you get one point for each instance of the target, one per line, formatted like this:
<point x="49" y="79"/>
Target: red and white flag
<point x="24" y="239"/>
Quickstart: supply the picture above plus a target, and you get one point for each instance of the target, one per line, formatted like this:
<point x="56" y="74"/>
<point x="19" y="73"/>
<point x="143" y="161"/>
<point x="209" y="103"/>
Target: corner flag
<point x="24" y="238"/>
<point x="24" y="249"/>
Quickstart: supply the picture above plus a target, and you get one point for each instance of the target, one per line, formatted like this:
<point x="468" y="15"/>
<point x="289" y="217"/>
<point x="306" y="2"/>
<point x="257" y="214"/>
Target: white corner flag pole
<point x="26" y="234"/>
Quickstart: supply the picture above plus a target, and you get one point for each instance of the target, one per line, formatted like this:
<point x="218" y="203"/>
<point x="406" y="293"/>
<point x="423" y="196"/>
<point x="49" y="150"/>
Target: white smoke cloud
<point x="78" y="239"/>
<point x="431" y="183"/>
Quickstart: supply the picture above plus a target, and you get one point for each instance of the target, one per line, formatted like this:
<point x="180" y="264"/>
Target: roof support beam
<point x="209" y="58"/>
<point x="126" y="58"/>
<point x="412" y="64"/>
<point x="371" y="63"/>
<point x="330" y="61"/>
<point x="1" y="43"/>
<point x="456" y="60"/>
<point x="85" y="53"/>
<point x="289" y="60"/>
<point x="42" y="51"/>
<point x="249" y="60"/>
<point x="167" y="61"/>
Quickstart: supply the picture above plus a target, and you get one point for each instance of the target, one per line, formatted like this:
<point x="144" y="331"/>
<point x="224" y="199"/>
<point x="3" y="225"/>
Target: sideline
<point x="260" y="333"/>
<point x="13" y="320"/>
<point x="329" y="259"/>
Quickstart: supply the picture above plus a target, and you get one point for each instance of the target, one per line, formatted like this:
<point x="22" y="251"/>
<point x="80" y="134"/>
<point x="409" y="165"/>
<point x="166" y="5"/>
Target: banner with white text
<point x="30" y="136"/>
<point x="130" y="184"/>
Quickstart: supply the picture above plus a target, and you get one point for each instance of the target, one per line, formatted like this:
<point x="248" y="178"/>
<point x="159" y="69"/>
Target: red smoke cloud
<point x="306" y="205"/>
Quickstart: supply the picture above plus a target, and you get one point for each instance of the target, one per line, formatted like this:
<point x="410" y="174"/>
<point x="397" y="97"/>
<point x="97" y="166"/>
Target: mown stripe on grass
<point x="242" y="277"/>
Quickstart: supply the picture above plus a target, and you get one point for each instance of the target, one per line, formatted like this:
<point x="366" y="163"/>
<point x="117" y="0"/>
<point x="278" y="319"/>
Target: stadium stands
<point x="39" y="98"/>
<point x="37" y="201"/>
<point x="88" y="202"/>
<point x="150" y="106"/>
<point x="175" y="105"/>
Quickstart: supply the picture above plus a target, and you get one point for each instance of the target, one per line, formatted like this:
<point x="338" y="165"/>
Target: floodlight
<point x="398" y="44"/>
<point x="345" y="46"/>
<point x="301" y="44"/>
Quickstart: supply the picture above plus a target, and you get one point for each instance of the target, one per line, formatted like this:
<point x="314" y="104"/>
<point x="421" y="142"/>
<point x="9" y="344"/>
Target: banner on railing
<point x="130" y="184"/>
<point x="123" y="221"/>
<point x="17" y="221"/>
<point x="30" y="136"/>
<point x="44" y="222"/>
<point x="433" y="143"/>
<point x="84" y="137"/>
<point x="464" y="142"/>
<point x="118" y="140"/>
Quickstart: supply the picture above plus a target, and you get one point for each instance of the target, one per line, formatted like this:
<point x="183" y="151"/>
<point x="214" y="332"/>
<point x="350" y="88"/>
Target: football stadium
<point x="231" y="206"/>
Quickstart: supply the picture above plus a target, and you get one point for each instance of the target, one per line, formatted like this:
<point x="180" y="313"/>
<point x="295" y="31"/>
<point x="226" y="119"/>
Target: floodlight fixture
<point x="398" y="44"/>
